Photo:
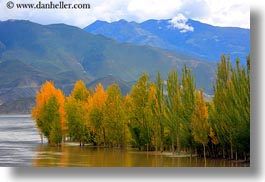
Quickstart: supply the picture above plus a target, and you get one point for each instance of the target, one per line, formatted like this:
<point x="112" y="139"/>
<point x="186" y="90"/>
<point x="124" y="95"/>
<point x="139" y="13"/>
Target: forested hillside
<point x="31" y="53"/>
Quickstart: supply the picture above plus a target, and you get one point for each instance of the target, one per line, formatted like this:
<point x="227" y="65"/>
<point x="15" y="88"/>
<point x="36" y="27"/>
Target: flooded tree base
<point x="70" y="155"/>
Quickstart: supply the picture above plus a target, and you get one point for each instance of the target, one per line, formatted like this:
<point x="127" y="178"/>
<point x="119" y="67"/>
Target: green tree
<point x="49" y="121"/>
<point x="56" y="134"/>
<point x="238" y="98"/>
<point x="114" y="118"/>
<point x="232" y="107"/>
<point x="80" y="91"/>
<point x="188" y="102"/>
<point x="173" y="109"/>
<point x="76" y="120"/>
<point x="159" y="110"/>
<point x="223" y="121"/>
<point x="140" y="126"/>
<point x="76" y="113"/>
<point x="200" y="124"/>
<point x="152" y="105"/>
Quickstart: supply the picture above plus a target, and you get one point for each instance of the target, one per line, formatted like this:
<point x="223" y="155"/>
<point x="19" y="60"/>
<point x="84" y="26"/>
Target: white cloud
<point x="229" y="13"/>
<point x="195" y="9"/>
<point x="154" y="9"/>
<point x="221" y="13"/>
<point x="179" y="22"/>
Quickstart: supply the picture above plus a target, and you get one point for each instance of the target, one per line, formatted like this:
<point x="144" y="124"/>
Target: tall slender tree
<point x="97" y="115"/>
<point x="152" y="105"/>
<point x="188" y="101"/>
<point x="232" y="106"/>
<point x="76" y="113"/>
<point x="80" y="91"/>
<point x="52" y="116"/>
<point x="200" y="123"/>
<point x="159" y="110"/>
<point x="140" y="126"/>
<point x="173" y="109"/>
<point x="114" y="118"/>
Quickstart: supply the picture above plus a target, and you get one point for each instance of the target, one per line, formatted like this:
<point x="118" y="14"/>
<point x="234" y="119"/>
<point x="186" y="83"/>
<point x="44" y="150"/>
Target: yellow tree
<point x="80" y="91"/>
<point x="200" y="123"/>
<point x="46" y="92"/>
<point x="114" y="118"/>
<point x="157" y="112"/>
<point x="61" y="100"/>
<point x="128" y="107"/>
<point x="96" y="114"/>
<point x="173" y="109"/>
<point x="152" y="116"/>
<point x="76" y="113"/>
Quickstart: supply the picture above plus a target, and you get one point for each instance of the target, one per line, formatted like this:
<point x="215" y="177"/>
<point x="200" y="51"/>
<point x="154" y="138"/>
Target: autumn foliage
<point x="163" y="115"/>
<point x="49" y="111"/>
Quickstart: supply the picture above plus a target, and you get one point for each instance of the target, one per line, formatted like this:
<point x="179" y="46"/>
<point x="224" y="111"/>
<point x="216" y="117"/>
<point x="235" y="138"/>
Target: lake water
<point x="20" y="145"/>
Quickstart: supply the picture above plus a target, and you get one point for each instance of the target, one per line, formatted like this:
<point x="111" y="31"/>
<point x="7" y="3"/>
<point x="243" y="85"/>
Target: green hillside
<point x="31" y="53"/>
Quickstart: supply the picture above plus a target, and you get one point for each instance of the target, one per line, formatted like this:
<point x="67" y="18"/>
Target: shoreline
<point x="155" y="153"/>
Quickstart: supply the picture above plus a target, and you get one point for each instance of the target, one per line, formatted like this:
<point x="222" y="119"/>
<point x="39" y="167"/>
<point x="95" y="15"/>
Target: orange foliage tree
<point x="46" y="92"/>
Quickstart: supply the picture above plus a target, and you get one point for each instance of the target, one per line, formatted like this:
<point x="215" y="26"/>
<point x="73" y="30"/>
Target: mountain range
<point x="31" y="53"/>
<point x="186" y="36"/>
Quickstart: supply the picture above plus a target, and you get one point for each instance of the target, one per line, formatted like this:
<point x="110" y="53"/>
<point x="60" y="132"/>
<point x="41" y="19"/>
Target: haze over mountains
<point x="31" y="53"/>
<point x="187" y="36"/>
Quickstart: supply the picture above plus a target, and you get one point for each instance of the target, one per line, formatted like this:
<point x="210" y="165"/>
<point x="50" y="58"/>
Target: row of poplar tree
<point x="161" y="115"/>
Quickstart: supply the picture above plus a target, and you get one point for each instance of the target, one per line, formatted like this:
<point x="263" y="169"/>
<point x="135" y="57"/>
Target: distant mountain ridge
<point x="31" y="53"/>
<point x="202" y="41"/>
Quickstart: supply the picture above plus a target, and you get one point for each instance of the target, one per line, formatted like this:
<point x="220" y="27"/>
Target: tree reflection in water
<point x="88" y="156"/>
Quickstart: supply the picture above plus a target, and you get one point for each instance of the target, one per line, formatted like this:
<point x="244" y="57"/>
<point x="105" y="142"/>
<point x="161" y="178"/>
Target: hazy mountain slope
<point x="31" y="53"/>
<point x="108" y="80"/>
<point x="204" y="42"/>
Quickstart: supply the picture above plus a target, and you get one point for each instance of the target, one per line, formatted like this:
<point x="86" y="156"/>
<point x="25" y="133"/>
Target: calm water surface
<point x="20" y="146"/>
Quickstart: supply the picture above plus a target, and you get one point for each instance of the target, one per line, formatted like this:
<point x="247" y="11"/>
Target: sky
<point x="226" y="13"/>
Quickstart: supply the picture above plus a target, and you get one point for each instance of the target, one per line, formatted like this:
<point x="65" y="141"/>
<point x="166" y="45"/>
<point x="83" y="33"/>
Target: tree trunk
<point x="212" y="151"/>
<point x="104" y="137"/>
<point x="161" y="138"/>
<point x="172" y="143"/>
<point x="231" y="156"/>
<point x="156" y="144"/>
<point x="204" y="154"/>
<point x="231" y="147"/>
<point x="178" y="144"/>
<point x="41" y="138"/>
